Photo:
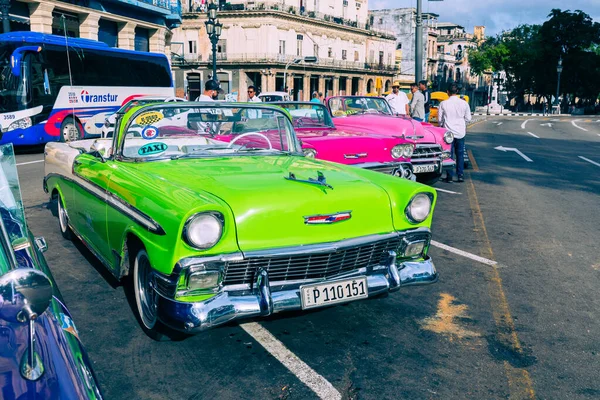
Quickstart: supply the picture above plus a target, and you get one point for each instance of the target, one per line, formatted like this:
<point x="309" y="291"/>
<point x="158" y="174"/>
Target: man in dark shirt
<point x="427" y="95"/>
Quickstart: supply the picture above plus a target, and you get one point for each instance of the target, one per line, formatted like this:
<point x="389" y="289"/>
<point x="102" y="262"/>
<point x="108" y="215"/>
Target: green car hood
<point x="269" y="210"/>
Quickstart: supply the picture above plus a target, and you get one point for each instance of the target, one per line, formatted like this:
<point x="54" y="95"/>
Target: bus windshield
<point x="12" y="96"/>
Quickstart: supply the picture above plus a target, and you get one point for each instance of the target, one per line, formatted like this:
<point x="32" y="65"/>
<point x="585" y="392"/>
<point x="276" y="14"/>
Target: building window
<point x="108" y="32"/>
<point x="316" y="50"/>
<point x="142" y="39"/>
<point x="372" y="56"/>
<point x="397" y="18"/>
<point x="358" y="5"/>
<point x="192" y="47"/>
<point x="344" y="54"/>
<point x="389" y="59"/>
<point x="299" y="39"/>
<point x="282" y="47"/>
<point x="70" y="23"/>
<point x="222" y="46"/>
<point x="345" y="3"/>
<point x="355" y="55"/>
<point x="330" y="52"/>
<point x="380" y="21"/>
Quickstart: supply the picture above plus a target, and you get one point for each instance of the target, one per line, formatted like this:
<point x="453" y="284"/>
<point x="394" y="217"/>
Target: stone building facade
<point x="261" y="40"/>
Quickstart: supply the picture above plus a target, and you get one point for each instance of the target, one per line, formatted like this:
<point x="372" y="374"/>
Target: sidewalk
<point x="525" y="115"/>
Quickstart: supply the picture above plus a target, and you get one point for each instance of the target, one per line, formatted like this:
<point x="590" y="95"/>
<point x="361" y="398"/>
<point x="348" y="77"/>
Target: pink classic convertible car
<point x="374" y="115"/>
<point x="321" y="139"/>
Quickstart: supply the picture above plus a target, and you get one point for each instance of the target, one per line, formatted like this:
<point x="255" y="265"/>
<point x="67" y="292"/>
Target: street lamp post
<point x="213" y="29"/>
<point x="4" y="8"/>
<point x="559" y="69"/>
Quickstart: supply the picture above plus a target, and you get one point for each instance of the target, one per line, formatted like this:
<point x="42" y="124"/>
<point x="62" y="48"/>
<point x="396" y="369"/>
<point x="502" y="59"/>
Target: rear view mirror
<point x="25" y="294"/>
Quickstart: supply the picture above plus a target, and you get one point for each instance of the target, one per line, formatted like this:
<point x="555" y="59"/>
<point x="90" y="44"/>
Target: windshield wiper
<point x="257" y="149"/>
<point x="321" y="181"/>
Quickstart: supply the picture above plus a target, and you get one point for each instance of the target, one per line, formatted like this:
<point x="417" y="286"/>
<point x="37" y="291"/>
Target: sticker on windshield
<point x="152" y="149"/>
<point x="67" y="324"/>
<point x="149" y="117"/>
<point x="150" y="132"/>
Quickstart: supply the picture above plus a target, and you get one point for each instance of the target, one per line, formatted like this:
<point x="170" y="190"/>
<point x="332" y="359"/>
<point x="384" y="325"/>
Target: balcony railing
<point x="195" y="6"/>
<point x="281" y="59"/>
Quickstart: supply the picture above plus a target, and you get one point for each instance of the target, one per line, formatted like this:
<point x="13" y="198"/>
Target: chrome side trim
<point x="114" y="201"/>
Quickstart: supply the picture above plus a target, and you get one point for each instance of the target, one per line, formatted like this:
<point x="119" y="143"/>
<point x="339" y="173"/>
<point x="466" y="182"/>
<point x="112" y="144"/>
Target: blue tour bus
<point x="52" y="89"/>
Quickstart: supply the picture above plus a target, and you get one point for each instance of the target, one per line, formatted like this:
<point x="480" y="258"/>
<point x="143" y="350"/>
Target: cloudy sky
<point x="496" y="15"/>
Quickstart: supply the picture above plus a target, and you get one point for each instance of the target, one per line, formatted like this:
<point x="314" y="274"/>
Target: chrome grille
<point x="428" y="151"/>
<point x="386" y="169"/>
<point x="311" y="266"/>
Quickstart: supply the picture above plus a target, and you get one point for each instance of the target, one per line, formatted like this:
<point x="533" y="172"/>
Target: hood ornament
<point x="327" y="218"/>
<point x="319" y="181"/>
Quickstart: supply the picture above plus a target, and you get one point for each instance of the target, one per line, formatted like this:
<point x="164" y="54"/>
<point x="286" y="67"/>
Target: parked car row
<point x="354" y="130"/>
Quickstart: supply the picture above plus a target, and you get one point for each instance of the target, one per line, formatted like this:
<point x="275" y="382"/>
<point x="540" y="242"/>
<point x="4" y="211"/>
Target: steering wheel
<point x="248" y="134"/>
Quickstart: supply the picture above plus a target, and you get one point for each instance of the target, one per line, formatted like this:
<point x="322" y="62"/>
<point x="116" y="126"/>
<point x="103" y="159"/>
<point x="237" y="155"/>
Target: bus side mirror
<point x="16" y="59"/>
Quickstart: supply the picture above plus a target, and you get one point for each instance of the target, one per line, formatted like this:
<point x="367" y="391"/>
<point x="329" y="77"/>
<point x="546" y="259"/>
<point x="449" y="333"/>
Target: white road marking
<point x="548" y="124"/>
<point x="498" y="123"/>
<point x="505" y="149"/>
<point x="30" y="162"/>
<point x="524" y="123"/>
<point x="577" y="126"/>
<point x="446" y="191"/>
<point x="590" y="161"/>
<point x="464" y="253"/>
<point x="534" y="135"/>
<point x="306" y="374"/>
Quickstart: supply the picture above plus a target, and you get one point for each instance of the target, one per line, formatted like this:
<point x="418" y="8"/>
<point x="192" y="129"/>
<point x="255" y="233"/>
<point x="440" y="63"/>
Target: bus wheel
<point x="70" y="130"/>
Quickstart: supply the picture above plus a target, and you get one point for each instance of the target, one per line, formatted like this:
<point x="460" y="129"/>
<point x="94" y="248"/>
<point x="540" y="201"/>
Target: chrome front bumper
<point x="265" y="299"/>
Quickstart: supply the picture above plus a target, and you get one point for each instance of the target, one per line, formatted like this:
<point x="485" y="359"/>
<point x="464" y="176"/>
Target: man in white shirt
<point x="454" y="114"/>
<point x="211" y="91"/>
<point x="398" y="100"/>
<point x="252" y="97"/>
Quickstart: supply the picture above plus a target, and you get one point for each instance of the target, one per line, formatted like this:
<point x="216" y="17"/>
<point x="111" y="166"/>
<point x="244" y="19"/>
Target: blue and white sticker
<point x="67" y="324"/>
<point x="150" y="132"/>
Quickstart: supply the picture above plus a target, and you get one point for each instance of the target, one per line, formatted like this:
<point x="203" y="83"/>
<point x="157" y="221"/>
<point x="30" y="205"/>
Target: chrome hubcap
<point x="70" y="132"/>
<point x="145" y="293"/>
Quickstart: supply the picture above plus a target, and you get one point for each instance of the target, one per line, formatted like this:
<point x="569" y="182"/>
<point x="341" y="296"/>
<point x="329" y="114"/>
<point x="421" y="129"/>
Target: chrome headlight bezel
<point x="448" y="137"/>
<point x="194" y="223"/>
<point x="309" y="153"/>
<point x="402" y="151"/>
<point x="412" y="215"/>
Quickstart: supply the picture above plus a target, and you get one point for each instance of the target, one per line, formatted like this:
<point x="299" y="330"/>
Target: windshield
<point x="12" y="97"/>
<point x="11" y="205"/>
<point x="355" y="105"/>
<point x="309" y="115"/>
<point x="169" y="130"/>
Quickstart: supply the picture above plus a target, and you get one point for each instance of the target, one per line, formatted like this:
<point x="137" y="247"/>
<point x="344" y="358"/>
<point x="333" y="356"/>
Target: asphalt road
<point x="522" y="323"/>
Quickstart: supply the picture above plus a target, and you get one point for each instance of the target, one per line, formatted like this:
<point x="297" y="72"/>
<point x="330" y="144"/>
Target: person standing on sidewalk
<point x="417" y="104"/>
<point x="252" y="97"/>
<point x="454" y="114"/>
<point x="427" y="96"/>
<point x="397" y="100"/>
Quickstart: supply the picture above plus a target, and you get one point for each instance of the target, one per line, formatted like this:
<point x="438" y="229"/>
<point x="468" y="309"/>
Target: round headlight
<point x="448" y="137"/>
<point x="408" y="150"/>
<point x="310" y="153"/>
<point x="203" y="231"/>
<point x="398" y="151"/>
<point x="419" y="208"/>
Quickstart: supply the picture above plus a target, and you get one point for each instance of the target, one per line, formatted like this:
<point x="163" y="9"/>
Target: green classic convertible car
<point x="213" y="213"/>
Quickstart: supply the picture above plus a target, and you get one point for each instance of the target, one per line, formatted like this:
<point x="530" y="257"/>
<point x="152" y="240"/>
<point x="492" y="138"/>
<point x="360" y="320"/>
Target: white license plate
<point x="324" y="294"/>
<point x="419" y="169"/>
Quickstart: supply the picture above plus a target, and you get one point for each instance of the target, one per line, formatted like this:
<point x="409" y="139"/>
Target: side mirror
<point x="97" y="151"/>
<point x="25" y="293"/>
